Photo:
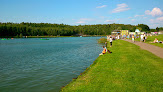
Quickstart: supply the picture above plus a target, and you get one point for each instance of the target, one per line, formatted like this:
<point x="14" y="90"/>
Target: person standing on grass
<point x="118" y="37"/>
<point x="145" y="37"/>
<point x="106" y="46"/>
<point x="108" y="38"/>
<point x="141" y="37"/>
<point x="133" y="38"/>
<point x="110" y="41"/>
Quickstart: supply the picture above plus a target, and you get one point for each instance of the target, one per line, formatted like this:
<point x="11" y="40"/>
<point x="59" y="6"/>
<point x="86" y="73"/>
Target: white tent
<point x="137" y="30"/>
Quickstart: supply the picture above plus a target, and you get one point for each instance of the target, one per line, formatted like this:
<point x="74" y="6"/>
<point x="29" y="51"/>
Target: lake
<point x="34" y="65"/>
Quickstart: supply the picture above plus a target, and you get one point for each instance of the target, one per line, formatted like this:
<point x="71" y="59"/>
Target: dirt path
<point x="158" y="51"/>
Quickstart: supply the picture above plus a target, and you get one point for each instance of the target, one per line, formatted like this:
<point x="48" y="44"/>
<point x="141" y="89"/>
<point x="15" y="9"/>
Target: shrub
<point x="102" y="40"/>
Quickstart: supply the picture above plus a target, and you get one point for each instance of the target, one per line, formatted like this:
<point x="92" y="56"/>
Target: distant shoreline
<point x="51" y="36"/>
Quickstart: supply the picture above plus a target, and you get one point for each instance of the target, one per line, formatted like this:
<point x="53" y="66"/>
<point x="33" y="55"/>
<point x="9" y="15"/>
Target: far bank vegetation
<point x="47" y="29"/>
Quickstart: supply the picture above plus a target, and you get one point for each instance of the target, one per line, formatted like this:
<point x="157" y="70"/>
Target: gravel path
<point x="158" y="51"/>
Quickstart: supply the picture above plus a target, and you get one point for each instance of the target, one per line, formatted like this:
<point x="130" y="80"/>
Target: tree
<point x="144" y="27"/>
<point x="140" y="29"/>
<point x="21" y="35"/>
<point x="17" y="36"/>
<point x="157" y="29"/>
<point x="119" y="28"/>
<point x="34" y="29"/>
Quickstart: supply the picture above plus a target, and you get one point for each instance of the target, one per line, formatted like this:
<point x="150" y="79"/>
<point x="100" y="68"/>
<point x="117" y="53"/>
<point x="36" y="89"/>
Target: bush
<point x="102" y="40"/>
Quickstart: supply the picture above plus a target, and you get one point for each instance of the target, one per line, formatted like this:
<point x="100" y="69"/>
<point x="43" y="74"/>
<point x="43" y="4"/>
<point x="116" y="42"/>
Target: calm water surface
<point x="34" y="65"/>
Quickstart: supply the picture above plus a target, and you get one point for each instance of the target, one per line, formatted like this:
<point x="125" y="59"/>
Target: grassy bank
<point x="128" y="68"/>
<point x="151" y="39"/>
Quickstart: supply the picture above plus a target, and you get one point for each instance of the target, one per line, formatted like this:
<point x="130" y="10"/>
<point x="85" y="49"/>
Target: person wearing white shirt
<point x="111" y="41"/>
<point x="141" y="37"/>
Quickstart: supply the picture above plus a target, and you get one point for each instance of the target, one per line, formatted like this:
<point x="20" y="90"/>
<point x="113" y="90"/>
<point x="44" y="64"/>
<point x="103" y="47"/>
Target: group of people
<point x="110" y="39"/>
<point x="143" y="38"/>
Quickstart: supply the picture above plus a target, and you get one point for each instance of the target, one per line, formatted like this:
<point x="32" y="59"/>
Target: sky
<point x="83" y="12"/>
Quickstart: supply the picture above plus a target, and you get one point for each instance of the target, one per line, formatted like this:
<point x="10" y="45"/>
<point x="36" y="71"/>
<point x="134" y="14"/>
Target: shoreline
<point x="84" y="72"/>
<point x="116" y="71"/>
<point x="51" y="36"/>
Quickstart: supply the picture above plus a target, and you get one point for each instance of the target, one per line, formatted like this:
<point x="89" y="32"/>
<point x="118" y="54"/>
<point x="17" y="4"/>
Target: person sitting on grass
<point x="156" y="41"/>
<point x="104" y="51"/>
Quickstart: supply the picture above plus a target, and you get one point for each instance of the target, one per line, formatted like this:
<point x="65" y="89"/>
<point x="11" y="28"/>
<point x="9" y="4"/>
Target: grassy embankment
<point x="128" y="68"/>
<point x="151" y="39"/>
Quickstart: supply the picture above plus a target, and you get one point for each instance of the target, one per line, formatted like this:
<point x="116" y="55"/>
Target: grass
<point x="127" y="69"/>
<point x="151" y="39"/>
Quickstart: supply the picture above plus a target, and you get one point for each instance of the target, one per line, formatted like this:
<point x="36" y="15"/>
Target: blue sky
<point x="79" y="12"/>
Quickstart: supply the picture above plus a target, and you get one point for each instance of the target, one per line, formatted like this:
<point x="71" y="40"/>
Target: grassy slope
<point x="128" y="68"/>
<point x="151" y="39"/>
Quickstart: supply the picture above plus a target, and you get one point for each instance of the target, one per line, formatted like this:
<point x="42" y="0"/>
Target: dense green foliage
<point x="127" y="69"/>
<point x="159" y="29"/>
<point x="47" y="29"/>
<point x="153" y="30"/>
<point x="144" y="27"/>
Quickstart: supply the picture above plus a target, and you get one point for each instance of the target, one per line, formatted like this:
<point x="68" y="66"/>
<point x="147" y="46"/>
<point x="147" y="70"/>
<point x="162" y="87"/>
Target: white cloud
<point x="158" y="20"/>
<point x="109" y="21"/>
<point x="101" y="6"/>
<point x="81" y="22"/>
<point x="132" y="20"/>
<point x="120" y="8"/>
<point x="154" y="25"/>
<point x="155" y="12"/>
<point x="84" y="20"/>
<point x="139" y="15"/>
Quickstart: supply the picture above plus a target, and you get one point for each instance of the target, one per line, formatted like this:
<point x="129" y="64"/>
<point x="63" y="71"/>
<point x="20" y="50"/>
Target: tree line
<point x="48" y="29"/>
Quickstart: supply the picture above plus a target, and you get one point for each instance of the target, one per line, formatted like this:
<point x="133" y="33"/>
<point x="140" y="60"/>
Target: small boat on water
<point x="4" y="39"/>
<point x="44" y="39"/>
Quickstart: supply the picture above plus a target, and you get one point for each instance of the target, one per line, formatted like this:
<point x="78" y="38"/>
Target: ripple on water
<point x="35" y="65"/>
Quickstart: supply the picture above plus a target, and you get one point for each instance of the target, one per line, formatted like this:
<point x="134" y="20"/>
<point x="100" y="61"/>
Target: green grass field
<point x="151" y="39"/>
<point x="127" y="69"/>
